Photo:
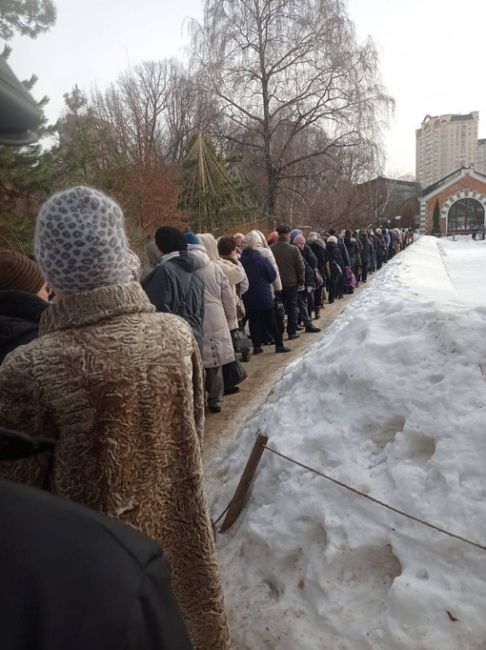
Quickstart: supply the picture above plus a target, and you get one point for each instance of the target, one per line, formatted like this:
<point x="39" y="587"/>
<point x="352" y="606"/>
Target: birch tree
<point x="281" y="67"/>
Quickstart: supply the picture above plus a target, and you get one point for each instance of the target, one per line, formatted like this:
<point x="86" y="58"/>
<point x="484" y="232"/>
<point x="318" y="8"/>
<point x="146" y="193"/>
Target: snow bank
<point x="392" y="401"/>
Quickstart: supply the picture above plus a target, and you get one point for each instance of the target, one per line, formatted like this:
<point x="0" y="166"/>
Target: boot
<point x="282" y="348"/>
<point x="310" y="329"/>
<point x="317" y="312"/>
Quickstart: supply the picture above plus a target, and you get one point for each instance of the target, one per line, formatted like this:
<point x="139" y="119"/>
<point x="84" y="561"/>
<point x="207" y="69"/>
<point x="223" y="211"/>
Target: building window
<point x="464" y="215"/>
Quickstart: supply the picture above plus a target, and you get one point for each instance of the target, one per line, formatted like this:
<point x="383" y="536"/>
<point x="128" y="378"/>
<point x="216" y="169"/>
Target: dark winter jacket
<point x="176" y="287"/>
<point x="310" y="261"/>
<point x="336" y="262"/>
<point x="73" y="578"/>
<point x="379" y="243"/>
<point x="365" y="248"/>
<point x="260" y="274"/>
<point x="353" y="249"/>
<point x="290" y="263"/>
<point x="20" y="313"/>
<point x="344" y="251"/>
<point x="319" y="250"/>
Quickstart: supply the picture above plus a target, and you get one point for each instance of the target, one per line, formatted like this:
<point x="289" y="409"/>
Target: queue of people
<point x="117" y="364"/>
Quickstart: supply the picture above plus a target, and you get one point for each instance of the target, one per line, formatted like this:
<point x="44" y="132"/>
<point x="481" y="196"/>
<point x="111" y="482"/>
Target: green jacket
<point x="290" y="263"/>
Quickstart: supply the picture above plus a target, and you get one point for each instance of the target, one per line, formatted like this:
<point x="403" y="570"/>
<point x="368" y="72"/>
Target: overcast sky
<point x="433" y="54"/>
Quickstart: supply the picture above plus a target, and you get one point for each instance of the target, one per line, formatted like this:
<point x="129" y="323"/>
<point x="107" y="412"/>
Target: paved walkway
<point x="264" y="371"/>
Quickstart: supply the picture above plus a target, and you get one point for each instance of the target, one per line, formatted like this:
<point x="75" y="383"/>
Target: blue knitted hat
<point x="191" y="238"/>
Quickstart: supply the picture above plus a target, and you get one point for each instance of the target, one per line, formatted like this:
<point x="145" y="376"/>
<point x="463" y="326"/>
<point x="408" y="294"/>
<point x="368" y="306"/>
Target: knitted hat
<point x="191" y="238"/>
<point x="18" y="272"/>
<point x="294" y="233"/>
<point x="80" y="241"/>
<point x="170" y="240"/>
<point x="332" y="240"/>
<point x="272" y="237"/>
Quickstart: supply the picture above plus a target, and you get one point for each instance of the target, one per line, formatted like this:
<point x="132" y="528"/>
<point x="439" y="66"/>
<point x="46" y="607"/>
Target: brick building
<point x="461" y="197"/>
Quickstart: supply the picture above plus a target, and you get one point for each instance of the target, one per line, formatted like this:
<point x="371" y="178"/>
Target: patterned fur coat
<point x="120" y="387"/>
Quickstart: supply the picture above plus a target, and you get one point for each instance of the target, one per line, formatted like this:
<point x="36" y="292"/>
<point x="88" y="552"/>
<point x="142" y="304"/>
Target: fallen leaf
<point x="451" y="616"/>
<point x="301" y="583"/>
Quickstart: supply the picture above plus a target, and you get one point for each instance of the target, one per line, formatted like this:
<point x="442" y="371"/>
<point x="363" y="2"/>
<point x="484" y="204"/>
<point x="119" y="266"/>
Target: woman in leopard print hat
<point x="80" y="242"/>
<point x="121" y="389"/>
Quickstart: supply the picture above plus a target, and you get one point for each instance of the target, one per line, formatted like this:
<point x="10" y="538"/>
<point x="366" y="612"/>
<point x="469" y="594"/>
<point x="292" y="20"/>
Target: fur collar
<point x="90" y="307"/>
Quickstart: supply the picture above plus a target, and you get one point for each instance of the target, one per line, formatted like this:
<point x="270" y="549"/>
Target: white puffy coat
<point x="235" y="274"/>
<point x="219" y="311"/>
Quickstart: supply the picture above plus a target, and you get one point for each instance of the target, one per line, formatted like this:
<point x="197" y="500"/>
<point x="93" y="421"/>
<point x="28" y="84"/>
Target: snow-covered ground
<point x="391" y="400"/>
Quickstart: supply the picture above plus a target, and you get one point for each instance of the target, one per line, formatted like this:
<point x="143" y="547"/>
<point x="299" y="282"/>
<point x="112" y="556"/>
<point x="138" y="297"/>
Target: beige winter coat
<point x="120" y="388"/>
<point x="219" y="312"/>
<point x="235" y="274"/>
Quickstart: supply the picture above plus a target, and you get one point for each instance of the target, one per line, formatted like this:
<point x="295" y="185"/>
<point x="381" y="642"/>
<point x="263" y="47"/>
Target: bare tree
<point x="281" y="67"/>
<point x="135" y="107"/>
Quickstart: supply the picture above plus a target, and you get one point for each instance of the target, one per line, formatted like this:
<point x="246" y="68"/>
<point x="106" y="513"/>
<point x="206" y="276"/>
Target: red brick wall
<point x="465" y="183"/>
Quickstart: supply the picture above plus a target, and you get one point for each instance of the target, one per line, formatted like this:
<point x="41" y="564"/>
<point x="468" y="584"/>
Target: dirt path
<point x="263" y="371"/>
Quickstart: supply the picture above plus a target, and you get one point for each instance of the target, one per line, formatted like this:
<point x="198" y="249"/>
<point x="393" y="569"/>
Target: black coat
<point x="319" y="250"/>
<point x="74" y="579"/>
<point x="353" y="249"/>
<point x="310" y="261"/>
<point x="20" y="314"/>
<point x="260" y="274"/>
<point x="365" y="249"/>
<point x="336" y="262"/>
<point x="176" y="287"/>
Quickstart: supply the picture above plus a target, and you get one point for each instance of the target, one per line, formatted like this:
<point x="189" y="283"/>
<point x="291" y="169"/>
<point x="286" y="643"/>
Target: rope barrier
<point x="377" y="501"/>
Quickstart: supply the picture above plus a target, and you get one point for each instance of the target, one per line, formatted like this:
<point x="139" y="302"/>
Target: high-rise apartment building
<point x="481" y="158"/>
<point x="445" y="143"/>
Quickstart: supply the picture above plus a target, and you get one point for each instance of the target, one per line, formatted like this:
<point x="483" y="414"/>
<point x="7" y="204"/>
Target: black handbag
<point x="241" y="343"/>
<point x="233" y="374"/>
<point x="279" y="313"/>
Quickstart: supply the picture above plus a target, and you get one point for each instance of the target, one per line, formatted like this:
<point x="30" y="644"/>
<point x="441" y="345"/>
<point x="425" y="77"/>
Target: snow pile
<point x="392" y="400"/>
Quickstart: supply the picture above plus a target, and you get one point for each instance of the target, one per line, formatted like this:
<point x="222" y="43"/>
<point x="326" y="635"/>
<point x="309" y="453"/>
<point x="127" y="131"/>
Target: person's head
<point x="332" y="232"/>
<point x="19" y="273"/>
<point x="170" y="240"/>
<point x="210" y="245"/>
<point x="283" y="231"/>
<point x="348" y="233"/>
<point x="332" y="241"/>
<point x="80" y="242"/>
<point x="261" y="237"/>
<point x="272" y="238"/>
<point x="191" y="239"/>
<point x="227" y="246"/>
<point x="378" y="231"/>
<point x="252" y="241"/>
<point x="294" y="233"/>
<point x="153" y="253"/>
<point x="313" y="236"/>
<point x="299" y="241"/>
<point x="239" y="237"/>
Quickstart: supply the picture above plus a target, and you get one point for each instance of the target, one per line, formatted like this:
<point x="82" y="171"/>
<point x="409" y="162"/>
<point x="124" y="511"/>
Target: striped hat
<point x="20" y="273"/>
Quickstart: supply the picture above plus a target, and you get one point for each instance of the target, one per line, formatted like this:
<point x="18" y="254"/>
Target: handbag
<point x="336" y="270"/>
<point x="279" y="313"/>
<point x="350" y="278"/>
<point x="241" y="343"/>
<point x="233" y="373"/>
